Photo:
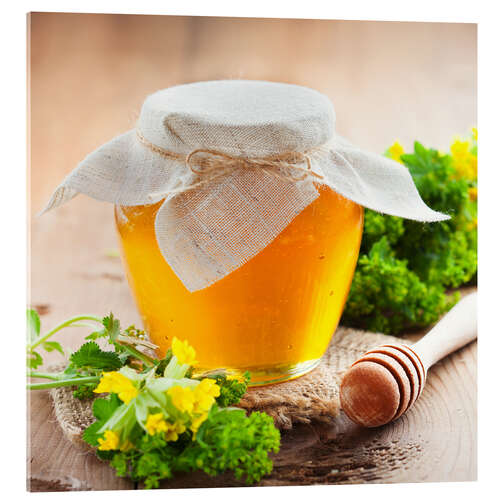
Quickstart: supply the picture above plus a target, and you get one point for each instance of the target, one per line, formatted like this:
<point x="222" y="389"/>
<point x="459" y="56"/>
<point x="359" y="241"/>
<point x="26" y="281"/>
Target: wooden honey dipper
<point x="386" y="381"/>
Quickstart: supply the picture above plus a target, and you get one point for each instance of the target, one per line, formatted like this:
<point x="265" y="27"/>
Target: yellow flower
<point x="474" y="133"/>
<point x="117" y="382"/>
<point x="473" y="164"/>
<point x="156" y="423"/>
<point x="174" y="430"/>
<point x="239" y="378"/>
<point x="182" y="398"/>
<point x="197" y="421"/>
<point x="205" y="393"/>
<point x="185" y="354"/>
<point x="395" y="152"/>
<point x="208" y="386"/>
<point x="109" y="442"/>
<point x="473" y="193"/>
<point x="464" y="161"/>
<point x="459" y="149"/>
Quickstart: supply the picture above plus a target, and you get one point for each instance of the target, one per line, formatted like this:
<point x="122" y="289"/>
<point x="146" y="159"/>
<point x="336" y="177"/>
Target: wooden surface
<point x="88" y="77"/>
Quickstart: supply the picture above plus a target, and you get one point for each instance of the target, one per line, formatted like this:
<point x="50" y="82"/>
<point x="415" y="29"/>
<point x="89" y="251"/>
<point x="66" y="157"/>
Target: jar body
<point x="275" y="315"/>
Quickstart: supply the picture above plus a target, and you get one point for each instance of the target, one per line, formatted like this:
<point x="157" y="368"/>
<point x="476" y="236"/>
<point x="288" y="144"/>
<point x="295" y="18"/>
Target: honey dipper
<point x="386" y="381"/>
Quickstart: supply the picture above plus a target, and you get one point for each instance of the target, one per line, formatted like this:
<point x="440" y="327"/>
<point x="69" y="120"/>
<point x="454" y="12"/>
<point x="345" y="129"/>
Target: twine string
<point x="210" y="164"/>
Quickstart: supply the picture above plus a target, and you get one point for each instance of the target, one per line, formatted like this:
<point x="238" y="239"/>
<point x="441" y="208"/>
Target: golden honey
<point x="275" y="315"/>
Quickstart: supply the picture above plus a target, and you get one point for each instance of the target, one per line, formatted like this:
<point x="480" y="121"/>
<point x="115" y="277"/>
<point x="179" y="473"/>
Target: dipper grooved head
<point x="381" y="385"/>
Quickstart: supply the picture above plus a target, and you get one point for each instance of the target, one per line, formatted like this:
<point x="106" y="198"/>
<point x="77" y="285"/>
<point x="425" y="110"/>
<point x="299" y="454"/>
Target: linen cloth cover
<point x="213" y="220"/>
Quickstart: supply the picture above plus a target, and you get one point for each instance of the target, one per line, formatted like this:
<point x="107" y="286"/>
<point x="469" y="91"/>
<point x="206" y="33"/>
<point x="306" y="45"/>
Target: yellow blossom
<point x="464" y="161"/>
<point x="185" y="354"/>
<point x="197" y="421"/>
<point x="182" y="398"/>
<point x="109" y="442"/>
<point x="205" y="393"/>
<point x="117" y="382"/>
<point x="473" y="224"/>
<point x="173" y="431"/>
<point x="473" y="193"/>
<point x="208" y="386"/>
<point x="155" y="423"/>
<point x="474" y="133"/>
<point x="459" y="149"/>
<point x="395" y="152"/>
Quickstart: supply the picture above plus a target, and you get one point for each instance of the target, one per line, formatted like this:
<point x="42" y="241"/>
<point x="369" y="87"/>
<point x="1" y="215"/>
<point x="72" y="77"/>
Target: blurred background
<point x="88" y="76"/>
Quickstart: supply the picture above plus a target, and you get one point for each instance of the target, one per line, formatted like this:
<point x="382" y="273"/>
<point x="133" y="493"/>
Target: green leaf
<point x="105" y="454"/>
<point x="84" y="391"/>
<point x="120" y="464"/>
<point x="419" y="149"/>
<point x="97" y="335"/>
<point x="112" y="326"/>
<point x="160" y="367"/>
<point x="50" y="346"/>
<point x="34" y="360"/>
<point x="91" y="355"/>
<point x="90" y="434"/>
<point x="103" y="409"/>
<point x="33" y="324"/>
<point x="231" y="390"/>
<point x="71" y="371"/>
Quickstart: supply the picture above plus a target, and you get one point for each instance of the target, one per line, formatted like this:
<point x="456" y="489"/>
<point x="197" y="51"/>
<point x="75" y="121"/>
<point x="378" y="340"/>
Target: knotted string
<point x="215" y="164"/>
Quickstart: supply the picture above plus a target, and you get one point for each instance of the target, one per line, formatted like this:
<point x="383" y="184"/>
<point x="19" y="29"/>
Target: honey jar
<point x="239" y="212"/>
<point x="275" y="315"/>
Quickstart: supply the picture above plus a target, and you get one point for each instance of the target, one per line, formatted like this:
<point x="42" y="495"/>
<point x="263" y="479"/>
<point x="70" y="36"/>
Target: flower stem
<point x="61" y="383"/>
<point x="63" y="325"/>
<point x="175" y="369"/>
<point x="51" y="376"/>
<point x="138" y="354"/>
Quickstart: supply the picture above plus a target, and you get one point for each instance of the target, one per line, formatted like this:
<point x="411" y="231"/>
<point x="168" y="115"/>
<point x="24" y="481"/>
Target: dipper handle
<point x="456" y="329"/>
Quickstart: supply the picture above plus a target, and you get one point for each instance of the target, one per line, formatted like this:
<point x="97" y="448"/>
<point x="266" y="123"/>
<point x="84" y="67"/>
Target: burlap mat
<point x="314" y="396"/>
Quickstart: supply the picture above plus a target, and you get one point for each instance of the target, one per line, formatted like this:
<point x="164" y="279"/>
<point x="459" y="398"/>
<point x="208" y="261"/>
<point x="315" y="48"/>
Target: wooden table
<point x="88" y="77"/>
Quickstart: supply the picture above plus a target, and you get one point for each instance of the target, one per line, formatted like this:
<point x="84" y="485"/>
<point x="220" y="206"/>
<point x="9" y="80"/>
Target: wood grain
<point x="88" y="75"/>
<point x="55" y="464"/>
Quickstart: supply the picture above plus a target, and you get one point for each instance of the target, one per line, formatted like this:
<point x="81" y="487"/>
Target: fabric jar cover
<point x="263" y="146"/>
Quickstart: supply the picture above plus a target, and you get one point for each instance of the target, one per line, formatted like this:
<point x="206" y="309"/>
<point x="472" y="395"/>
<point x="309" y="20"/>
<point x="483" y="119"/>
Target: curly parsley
<point x="405" y="268"/>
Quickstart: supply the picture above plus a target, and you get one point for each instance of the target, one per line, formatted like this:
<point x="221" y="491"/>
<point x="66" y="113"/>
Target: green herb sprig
<point x="87" y="363"/>
<point x="406" y="268"/>
<point x="158" y="417"/>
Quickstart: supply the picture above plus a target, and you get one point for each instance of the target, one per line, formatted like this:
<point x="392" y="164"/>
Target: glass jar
<point x="275" y="315"/>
